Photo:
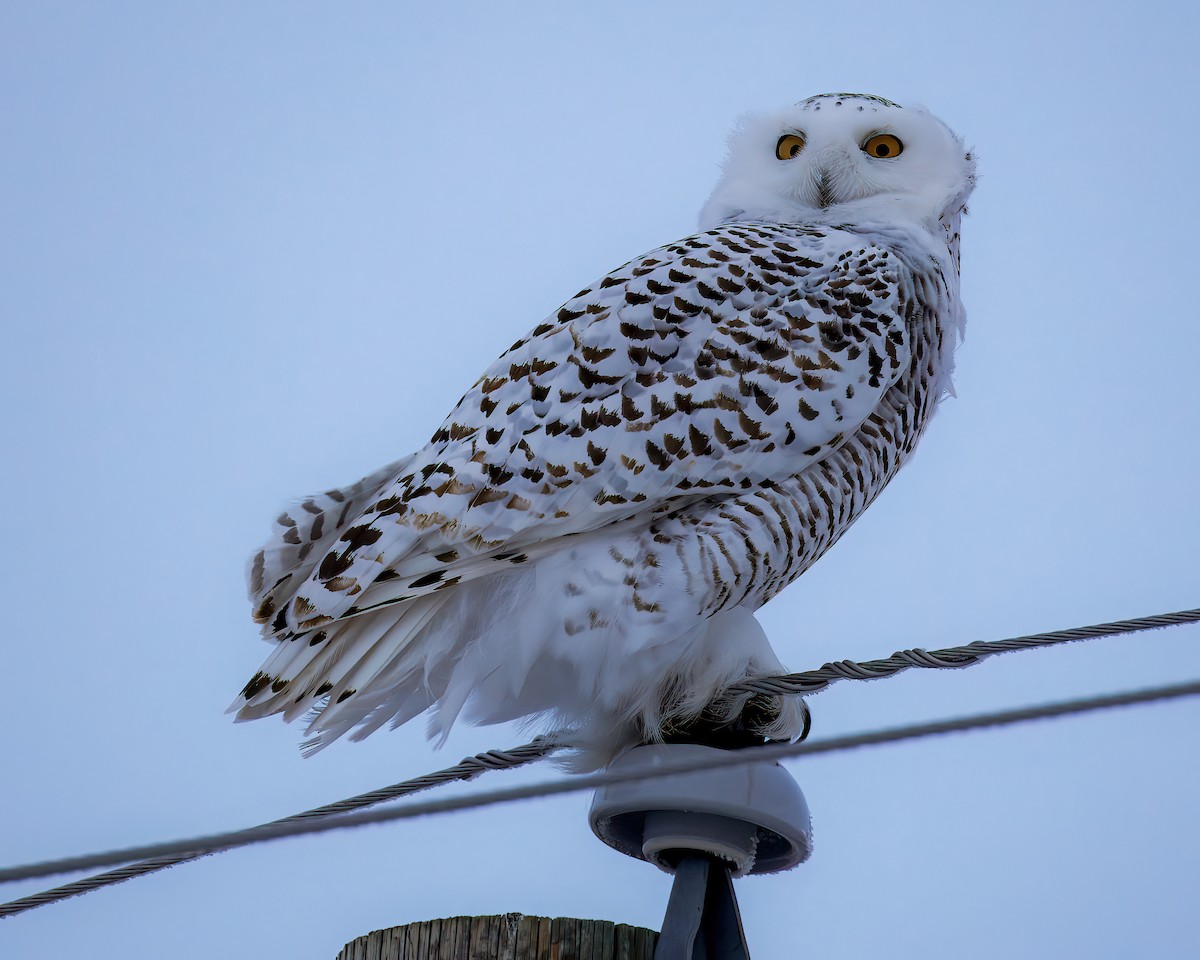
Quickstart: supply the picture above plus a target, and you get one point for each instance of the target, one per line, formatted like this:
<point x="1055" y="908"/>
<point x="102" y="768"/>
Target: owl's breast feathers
<point x="753" y="360"/>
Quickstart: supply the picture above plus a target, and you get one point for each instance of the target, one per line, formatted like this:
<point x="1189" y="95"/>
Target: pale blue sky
<point x="254" y="250"/>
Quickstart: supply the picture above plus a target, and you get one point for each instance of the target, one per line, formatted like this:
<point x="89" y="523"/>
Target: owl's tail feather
<point x="389" y="665"/>
<point x="323" y="670"/>
<point x="484" y="650"/>
<point x="436" y="666"/>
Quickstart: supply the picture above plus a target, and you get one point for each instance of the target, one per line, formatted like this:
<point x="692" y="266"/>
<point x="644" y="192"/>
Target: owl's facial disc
<point x="843" y="157"/>
<point x="834" y="172"/>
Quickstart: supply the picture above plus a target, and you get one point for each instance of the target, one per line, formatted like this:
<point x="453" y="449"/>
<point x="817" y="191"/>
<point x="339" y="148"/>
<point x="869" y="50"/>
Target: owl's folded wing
<point x="715" y="366"/>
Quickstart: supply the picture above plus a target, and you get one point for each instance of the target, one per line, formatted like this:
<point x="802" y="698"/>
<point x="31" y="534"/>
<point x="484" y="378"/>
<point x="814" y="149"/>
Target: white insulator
<point x="752" y="816"/>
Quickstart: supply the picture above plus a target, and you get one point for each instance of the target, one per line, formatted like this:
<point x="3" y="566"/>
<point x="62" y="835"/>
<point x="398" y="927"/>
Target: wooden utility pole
<point x="510" y="936"/>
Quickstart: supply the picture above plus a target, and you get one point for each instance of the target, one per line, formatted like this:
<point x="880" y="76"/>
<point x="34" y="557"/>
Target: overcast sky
<point x="250" y="251"/>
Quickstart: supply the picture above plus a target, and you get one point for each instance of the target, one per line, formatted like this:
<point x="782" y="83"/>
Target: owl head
<point x="844" y="158"/>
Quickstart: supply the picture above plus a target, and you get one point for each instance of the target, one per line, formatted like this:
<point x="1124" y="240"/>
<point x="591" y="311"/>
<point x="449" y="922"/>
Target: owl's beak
<point x="826" y="177"/>
<point x="824" y="189"/>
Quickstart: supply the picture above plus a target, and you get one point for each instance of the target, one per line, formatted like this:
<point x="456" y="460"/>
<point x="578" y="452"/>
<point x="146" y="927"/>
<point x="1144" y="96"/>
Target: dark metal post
<point x="702" y="921"/>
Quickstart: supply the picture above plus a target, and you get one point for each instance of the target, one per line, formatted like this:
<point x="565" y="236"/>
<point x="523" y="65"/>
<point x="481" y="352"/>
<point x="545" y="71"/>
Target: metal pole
<point x="702" y="921"/>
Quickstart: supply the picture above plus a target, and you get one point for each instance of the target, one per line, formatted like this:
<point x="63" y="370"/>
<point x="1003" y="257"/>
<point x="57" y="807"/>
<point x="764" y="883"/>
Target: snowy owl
<point x="584" y="540"/>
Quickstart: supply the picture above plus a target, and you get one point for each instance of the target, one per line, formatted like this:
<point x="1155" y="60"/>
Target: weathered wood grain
<point x="510" y="936"/>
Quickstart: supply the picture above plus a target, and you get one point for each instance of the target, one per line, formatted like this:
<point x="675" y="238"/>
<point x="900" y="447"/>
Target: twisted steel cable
<point x="466" y="769"/>
<point x="950" y="658"/>
<point x="807" y="682"/>
<point x="725" y="758"/>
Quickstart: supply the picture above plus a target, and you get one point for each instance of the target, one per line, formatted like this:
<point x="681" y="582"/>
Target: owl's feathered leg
<point x="693" y="703"/>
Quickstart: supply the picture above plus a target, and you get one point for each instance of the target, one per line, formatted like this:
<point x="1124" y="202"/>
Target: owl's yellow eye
<point x="883" y="145"/>
<point x="789" y="146"/>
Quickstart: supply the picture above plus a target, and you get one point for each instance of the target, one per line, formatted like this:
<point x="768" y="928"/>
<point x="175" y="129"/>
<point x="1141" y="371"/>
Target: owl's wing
<point x="309" y="528"/>
<point x="709" y="367"/>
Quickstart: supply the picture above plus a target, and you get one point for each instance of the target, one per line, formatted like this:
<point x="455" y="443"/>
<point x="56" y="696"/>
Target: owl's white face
<point x="842" y="157"/>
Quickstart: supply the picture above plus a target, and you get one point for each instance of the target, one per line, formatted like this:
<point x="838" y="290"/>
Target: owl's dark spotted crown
<point x="860" y="100"/>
